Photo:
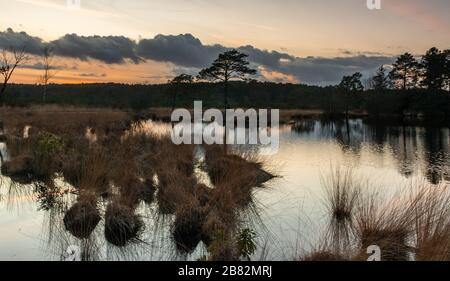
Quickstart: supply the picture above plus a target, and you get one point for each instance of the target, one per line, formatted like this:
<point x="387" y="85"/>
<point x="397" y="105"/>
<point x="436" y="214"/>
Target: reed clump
<point x="217" y="164"/>
<point x="323" y="256"/>
<point x="104" y="156"/>
<point x="187" y="227"/>
<point x="19" y="169"/>
<point x="385" y="223"/>
<point x="432" y="223"/>
<point x="82" y="218"/>
<point x="122" y="225"/>
<point x="342" y="190"/>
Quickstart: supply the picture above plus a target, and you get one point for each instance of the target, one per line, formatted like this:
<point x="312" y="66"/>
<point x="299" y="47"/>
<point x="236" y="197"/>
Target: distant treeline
<point x="431" y="103"/>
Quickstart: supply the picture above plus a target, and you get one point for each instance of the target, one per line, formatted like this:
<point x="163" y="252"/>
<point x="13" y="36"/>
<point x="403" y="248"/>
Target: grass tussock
<point x="432" y="223"/>
<point x="122" y="225"/>
<point x="411" y="225"/>
<point x="323" y="256"/>
<point x="82" y="218"/>
<point x="385" y="223"/>
<point x="342" y="190"/>
<point x="106" y="158"/>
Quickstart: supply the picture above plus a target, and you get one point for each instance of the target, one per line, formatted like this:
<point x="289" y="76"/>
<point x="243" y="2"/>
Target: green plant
<point x="246" y="243"/>
<point x="44" y="153"/>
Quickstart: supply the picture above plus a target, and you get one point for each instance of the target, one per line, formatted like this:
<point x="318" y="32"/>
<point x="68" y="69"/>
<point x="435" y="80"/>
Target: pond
<point x="292" y="212"/>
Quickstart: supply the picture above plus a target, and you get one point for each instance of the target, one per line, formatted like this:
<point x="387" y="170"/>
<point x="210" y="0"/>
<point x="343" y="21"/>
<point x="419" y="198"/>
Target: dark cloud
<point x="188" y="54"/>
<point x="272" y="59"/>
<point x="40" y="66"/>
<point x="324" y="71"/>
<point x="183" y="50"/>
<point x="108" y="49"/>
<point x="21" y="40"/>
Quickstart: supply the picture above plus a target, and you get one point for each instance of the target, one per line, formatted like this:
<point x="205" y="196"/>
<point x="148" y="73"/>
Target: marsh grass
<point x="112" y="163"/>
<point x="412" y="224"/>
<point x="323" y="255"/>
<point x="432" y="222"/>
<point x="342" y="189"/>
<point x="82" y="218"/>
<point x="122" y="225"/>
<point x="63" y="120"/>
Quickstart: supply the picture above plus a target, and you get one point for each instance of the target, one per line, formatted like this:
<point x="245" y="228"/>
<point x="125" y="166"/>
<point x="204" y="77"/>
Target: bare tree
<point x="9" y="61"/>
<point x="48" y="72"/>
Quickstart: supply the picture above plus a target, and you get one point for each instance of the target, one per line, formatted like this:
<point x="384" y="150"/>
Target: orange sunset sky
<point x="137" y="41"/>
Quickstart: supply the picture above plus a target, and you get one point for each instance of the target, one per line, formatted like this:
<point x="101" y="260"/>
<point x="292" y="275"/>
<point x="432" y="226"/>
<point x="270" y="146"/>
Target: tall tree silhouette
<point x="404" y="73"/>
<point x="177" y="83"/>
<point x="433" y="67"/>
<point x="231" y="65"/>
<point x="352" y="83"/>
<point x="380" y="81"/>
<point x="349" y="85"/>
<point x="9" y="61"/>
<point x="447" y="69"/>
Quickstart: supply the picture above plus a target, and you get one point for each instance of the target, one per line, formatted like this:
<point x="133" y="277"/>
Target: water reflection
<point x="47" y="212"/>
<point x="413" y="148"/>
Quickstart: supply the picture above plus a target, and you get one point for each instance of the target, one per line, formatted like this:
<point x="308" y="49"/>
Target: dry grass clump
<point x="413" y="224"/>
<point x="190" y="219"/>
<point x="175" y="170"/>
<point x="387" y="224"/>
<point x="135" y="191"/>
<point x="82" y="218"/>
<point x="64" y="120"/>
<point x="432" y="223"/>
<point x="323" y="256"/>
<point x="218" y="164"/>
<point x="223" y="248"/>
<point x="18" y="146"/>
<point x="342" y="190"/>
<point x="234" y="178"/>
<point x="87" y="168"/>
<point x="174" y="190"/>
<point x="122" y="225"/>
<point x="19" y="169"/>
<point x="187" y="227"/>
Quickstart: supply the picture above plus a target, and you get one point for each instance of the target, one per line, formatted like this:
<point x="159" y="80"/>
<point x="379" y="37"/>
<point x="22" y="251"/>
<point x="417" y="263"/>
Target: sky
<point x="150" y="41"/>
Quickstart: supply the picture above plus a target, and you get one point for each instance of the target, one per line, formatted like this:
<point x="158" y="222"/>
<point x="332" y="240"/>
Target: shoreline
<point x="287" y="116"/>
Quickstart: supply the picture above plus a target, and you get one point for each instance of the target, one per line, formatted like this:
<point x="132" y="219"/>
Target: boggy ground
<point x="107" y="157"/>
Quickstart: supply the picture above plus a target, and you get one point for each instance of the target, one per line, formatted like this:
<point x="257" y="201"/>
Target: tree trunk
<point x="2" y="93"/>
<point x="225" y="102"/>
<point x="347" y="98"/>
<point x="44" y="97"/>
<point x="174" y="102"/>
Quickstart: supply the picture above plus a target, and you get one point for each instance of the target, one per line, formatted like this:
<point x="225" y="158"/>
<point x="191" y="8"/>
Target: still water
<point x="291" y="208"/>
